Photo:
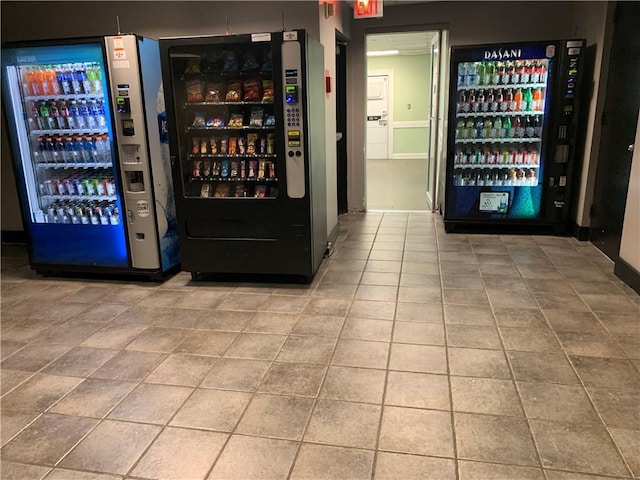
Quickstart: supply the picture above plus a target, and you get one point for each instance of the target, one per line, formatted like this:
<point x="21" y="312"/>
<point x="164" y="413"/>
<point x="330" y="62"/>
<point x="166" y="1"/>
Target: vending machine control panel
<point x="562" y="166"/>
<point x="294" y="117"/>
<point x="133" y="149"/>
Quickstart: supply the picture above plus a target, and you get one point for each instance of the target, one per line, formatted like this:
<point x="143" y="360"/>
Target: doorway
<point x="401" y="123"/>
<point x="622" y="103"/>
<point x="341" y="121"/>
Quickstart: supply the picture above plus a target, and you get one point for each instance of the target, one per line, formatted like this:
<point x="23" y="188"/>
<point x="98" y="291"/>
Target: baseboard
<point x="411" y="124"/>
<point x="409" y="156"/>
<point x="333" y="234"/>
<point x="581" y="233"/>
<point x="627" y="274"/>
<point x="13" y="236"/>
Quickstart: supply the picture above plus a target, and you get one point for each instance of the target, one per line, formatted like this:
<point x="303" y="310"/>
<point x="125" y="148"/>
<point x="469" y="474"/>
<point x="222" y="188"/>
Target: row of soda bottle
<point x="472" y="74"/>
<point x="68" y="115"/>
<point x="101" y="184"/>
<point x="499" y="127"/>
<point x="66" y="79"/>
<point x="73" y="149"/>
<point x="493" y="155"/>
<point x="83" y="212"/>
<point x="501" y="100"/>
<point x="507" y="177"/>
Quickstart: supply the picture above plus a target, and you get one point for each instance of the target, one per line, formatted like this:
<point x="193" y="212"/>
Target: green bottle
<point x="508" y="131"/>
<point x="480" y="72"/>
<point x="527" y="100"/>
<point x="489" y="73"/>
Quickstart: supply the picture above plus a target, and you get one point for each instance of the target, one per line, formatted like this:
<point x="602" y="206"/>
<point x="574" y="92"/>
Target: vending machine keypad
<point x="293" y="117"/>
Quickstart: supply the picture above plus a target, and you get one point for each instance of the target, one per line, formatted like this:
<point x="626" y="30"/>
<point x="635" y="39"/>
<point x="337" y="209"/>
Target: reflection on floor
<point x="413" y="354"/>
<point x="397" y="184"/>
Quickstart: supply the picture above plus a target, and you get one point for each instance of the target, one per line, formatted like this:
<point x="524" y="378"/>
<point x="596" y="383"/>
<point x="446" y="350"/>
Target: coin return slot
<point x="561" y="154"/>
<point x="135" y="181"/>
<point x="139" y="236"/>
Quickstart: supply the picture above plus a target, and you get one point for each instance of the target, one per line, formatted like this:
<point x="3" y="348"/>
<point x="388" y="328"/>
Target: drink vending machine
<point x="246" y="116"/>
<point x="88" y="134"/>
<point x="513" y="131"/>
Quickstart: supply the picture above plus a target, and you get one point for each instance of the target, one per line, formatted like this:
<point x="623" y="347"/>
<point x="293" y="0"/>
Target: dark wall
<point x="468" y="23"/>
<point x="61" y="19"/>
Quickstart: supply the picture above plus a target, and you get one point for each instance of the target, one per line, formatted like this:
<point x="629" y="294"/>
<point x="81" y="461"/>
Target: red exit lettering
<point x="367" y="9"/>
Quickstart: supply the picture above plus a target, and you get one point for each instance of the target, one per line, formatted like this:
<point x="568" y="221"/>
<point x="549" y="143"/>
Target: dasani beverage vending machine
<point x="512" y="141"/>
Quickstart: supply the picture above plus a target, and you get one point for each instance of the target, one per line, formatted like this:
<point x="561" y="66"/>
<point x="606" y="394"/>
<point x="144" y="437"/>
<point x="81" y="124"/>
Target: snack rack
<point x="228" y="114"/>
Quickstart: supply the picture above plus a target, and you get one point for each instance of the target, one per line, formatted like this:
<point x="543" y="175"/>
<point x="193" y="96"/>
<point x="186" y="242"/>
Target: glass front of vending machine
<point x="59" y="118"/>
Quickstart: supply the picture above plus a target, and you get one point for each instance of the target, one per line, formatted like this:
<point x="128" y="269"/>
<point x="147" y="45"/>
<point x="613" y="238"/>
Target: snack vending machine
<point x="512" y="138"/>
<point x="246" y="133"/>
<point x="91" y="162"/>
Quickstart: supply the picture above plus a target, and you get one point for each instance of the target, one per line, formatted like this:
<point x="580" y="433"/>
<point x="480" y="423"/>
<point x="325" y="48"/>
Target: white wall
<point x="468" y="23"/>
<point x="328" y="25"/>
<point x="630" y="245"/>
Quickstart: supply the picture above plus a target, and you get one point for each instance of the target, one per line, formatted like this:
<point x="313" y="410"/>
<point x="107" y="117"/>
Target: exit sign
<point x="367" y="9"/>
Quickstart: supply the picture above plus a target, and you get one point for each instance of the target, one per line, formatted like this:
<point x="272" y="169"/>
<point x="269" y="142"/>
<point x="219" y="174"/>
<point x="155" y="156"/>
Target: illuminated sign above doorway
<point x="367" y="8"/>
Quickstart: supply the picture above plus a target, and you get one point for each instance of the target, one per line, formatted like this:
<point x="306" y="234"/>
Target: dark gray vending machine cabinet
<point x="247" y="142"/>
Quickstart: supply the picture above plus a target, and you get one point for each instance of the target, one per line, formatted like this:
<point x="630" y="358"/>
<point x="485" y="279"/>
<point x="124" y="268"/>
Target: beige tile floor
<point x="413" y="354"/>
<point x="397" y="184"/>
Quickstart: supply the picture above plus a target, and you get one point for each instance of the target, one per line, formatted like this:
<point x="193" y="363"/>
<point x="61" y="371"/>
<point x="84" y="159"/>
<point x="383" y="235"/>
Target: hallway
<point x="413" y="354"/>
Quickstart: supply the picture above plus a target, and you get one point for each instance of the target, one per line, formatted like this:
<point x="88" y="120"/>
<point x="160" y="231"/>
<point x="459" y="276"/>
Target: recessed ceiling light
<point x="383" y="53"/>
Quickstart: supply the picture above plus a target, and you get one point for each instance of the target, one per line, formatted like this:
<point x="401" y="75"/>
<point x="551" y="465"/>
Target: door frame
<point x="341" y="122"/>
<point x="389" y="74"/>
<point x="443" y="120"/>
<point x="432" y="146"/>
<point x="443" y="85"/>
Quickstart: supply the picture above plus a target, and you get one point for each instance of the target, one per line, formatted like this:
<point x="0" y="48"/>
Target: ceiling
<point x="409" y="43"/>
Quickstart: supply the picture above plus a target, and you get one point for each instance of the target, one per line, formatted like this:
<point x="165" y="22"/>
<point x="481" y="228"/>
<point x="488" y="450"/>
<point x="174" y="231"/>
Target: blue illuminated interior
<point x="67" y="244"/>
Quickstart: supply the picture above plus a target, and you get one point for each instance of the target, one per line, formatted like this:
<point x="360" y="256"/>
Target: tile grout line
<point x="104" y="418"/>
<point x="512" y="373"/>
<point x="47" y="410"/>
<point x="584" y="387"/>
<point x="580" y="380"/>
<point x="194" y="390"/>
<point x="456" y="461"/>
<point x="252" y="394"/>
<point x="134" y="388"/>
<point x="316" y="398"/>
<point x="374" y="464"/>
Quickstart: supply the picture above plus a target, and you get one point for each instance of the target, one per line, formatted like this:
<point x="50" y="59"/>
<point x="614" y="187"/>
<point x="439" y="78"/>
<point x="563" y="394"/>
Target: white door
<point x="377" y="117"/>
